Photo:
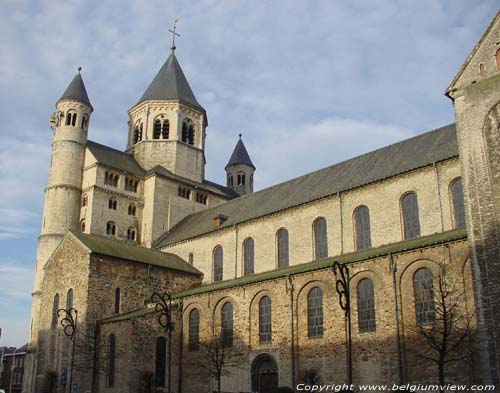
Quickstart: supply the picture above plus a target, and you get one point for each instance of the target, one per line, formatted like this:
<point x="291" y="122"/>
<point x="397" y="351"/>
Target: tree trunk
<point x="218" y="383"/>
<point x="441" y="373"/>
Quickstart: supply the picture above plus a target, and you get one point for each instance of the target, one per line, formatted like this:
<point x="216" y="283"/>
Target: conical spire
<point x="171" y="84"/>
<point x="76" y="90"/>
<point x="240" y="155"/>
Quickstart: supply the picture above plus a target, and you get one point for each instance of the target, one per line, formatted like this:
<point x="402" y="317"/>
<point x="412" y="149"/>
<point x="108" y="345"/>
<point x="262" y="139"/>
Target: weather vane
<point x="175" y="20"/>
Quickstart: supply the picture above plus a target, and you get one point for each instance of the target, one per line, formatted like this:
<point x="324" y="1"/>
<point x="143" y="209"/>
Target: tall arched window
<point x="111" y="228"/>
<point x="187" y="131"/>
<point x="191" y="258"/>
<point x="85" y="122"/>
<point x="248" y="255"/>
<point x="194" y="330"/>
<point x="366" y="306"/>
<point x="265" y="317"/>
<point x="55" y="307"/>
<point x="71" y="119"/>
<point x="411" y="221"/>
<point x="117" y="300"/>
<point x="138" y="133"/>
<point x="161" y="129"/>
<point x="315" y="312"/>
<point x="320" y="238"/>
<point x="131" y="235"/>
<point x="497" y="58"/>
<point x="69" y="299"/>
<point x="241" y="179"/>
<point x="423" y="286"/>
<point x="457" y="198"/>
<point x="482" y="69"/>
<point x="161" y="361"/>
<point x="362" y="227"/>
<point x="218" y="256"/>
<point x="82" y="225"/>
<point x="110" y="376"/>
<point x="112" y="204"/>
<point x="227" y="325"/>
<point x="282" y="245"/>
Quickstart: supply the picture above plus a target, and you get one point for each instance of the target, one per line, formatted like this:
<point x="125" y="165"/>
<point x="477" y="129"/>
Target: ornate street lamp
<point x="163" y="306"/>
<point x="69" y="322"/>
<point x="343" y="290"/>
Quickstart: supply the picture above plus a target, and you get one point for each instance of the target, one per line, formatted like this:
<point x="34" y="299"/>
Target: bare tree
<point x="310" y="376"/>
<point x="217" y="359"/>
<point x="448" y="338"/>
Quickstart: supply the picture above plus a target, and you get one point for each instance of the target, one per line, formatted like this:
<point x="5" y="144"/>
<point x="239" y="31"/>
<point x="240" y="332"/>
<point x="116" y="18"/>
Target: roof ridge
<point x="109" y="148"/>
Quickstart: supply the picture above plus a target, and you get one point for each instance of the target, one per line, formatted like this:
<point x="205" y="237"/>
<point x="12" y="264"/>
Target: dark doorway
<point x="264" y="374"/>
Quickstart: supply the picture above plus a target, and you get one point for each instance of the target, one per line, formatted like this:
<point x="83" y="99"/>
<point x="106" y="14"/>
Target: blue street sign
<point x="64" y="374"/>
<point x="74" y="388"/>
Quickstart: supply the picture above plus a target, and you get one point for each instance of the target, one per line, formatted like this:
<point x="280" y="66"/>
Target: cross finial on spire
<point x="240" y="135"/>
<point x="175" y="20"/>
<point x="79" y="69"/>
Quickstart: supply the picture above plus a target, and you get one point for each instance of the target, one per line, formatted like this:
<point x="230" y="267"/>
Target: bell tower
<point x="240" y="170"/>
<point x="63" y="192"/>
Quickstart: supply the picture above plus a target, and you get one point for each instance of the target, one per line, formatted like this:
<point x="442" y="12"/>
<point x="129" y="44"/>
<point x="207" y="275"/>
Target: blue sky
<point x="308" y="83"/>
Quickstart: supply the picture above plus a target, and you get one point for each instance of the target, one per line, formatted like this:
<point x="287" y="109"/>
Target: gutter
<point x="292" y="333"/>
<point x="396" y="318"/>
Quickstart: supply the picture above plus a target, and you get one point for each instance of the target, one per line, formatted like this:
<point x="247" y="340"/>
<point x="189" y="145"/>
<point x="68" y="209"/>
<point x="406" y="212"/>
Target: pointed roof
<point x="240" y="155"/>
<point x="76" y="90"/>
<point x="171" y="84"/>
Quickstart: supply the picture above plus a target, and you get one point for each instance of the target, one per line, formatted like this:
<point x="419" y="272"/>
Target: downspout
<point x="396" y="318"/>
<point x="181" y="343"/>
<point x="341" y="225"/>
<point x="97" y="332"/>
<point x="292" y="333"/>
<point x="439" y="195"/>
<point x="236" y="251"/>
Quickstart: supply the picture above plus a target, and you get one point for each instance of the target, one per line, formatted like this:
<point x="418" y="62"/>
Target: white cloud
<point x="17" y="281"/>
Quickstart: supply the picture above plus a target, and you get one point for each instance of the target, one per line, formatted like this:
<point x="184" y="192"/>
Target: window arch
<point x="320" y="238"/>
<point x="111" y="228"/>
<point x="482" y="69"/>
<point x="282" y="245"/>
<point x="71" y="118"/>
<point x="55" y="308"/>
<point x="457" y="199"/>
<point x="191" y="258"/>
<point x="161" y="361"/>
<point x="265" y="318"/>
<point x="411" y="221"/>
<point x="188" y="131"/>
<point x="248" y="256"/>
<point x="132" y="210"/>
<point x="82" y="225"/>
<point x="194" y="330"/>
<point x="112" y="204"/>
<point x="366" y="306"/>
<point x="497" y="58"/>
<point x="85" y="122"/>
<point x="315" y="312"/>
<point x="362" y="227"/>
<point x="161" y="128"/>
<point x="69" y="299"/>
<point x="218" y="257"/>
<point x="110" y="376"/>
<point x="230" y="180"/>
<point x="137" y="137"/>
<point x="131" y="233"/>
<point x="227" y="325"/>
<point x="423" y="286"/>
<point x="117" y="300"/>
<point x="85" y="200"/>
<point x="241" y="178"/>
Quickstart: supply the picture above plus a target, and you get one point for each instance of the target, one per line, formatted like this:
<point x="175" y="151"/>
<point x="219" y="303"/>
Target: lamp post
<point x="69" y="324"/>
<point x="342" y="285"/>
<point x="163" y="305"/>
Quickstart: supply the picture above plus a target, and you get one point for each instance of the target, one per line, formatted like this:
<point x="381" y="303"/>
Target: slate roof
<point x="76" y="91"/>
<point x="240" y="155"/>
<point x="115" y="158"/>
<point x="358" y="256"/>
<point x="131" y="251"/>
<point x="404" y="156"/>
<point x="171" y="84"/>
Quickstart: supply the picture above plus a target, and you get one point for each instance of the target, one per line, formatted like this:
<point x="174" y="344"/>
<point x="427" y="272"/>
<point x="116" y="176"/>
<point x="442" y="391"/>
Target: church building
<point x="382" y="269"/>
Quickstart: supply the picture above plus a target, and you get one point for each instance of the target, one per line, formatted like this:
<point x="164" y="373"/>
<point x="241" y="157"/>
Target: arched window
<point x="188" y="131"/>
<point x="111" y="228"/>
<point x="110" y="376"/>
<point x="265" y="317"/>
<point x="366" y="306"/>
<point x="157" y="129"/>
<point x="241" y="179"/>
<point x="69" y="299"/>
<point x="282" y="240"/>
<point x="218" y="263"/>
<point x="482" y="69"/>
<point x="55" y="308"/>
<point x="112" y="203"/>
<point x="194" y="330"/>
<point x="71" y="119"/>
<point x="82" y="225"/>
<point x="457" y="198"/>
<point x="423" y="286"/>
<point x="315" y="312"/>
<point x="227" y="325"/>
<point x="138" y="133"/>
<point x="362" y="227"/>
<point x="190" y="258"/>
<point x="161" y="361"/>
<point x="131" y="210"/>
<point x="497" y="59"/>
<point x="411" y="221"/>
<point x="230" y="180"/>
<point x="117" y="300"/>
<point x="320" y="238"/>
<point x="85" y="122"/>
<point x="131" y="233"/>
<point x="248" y="256"/>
